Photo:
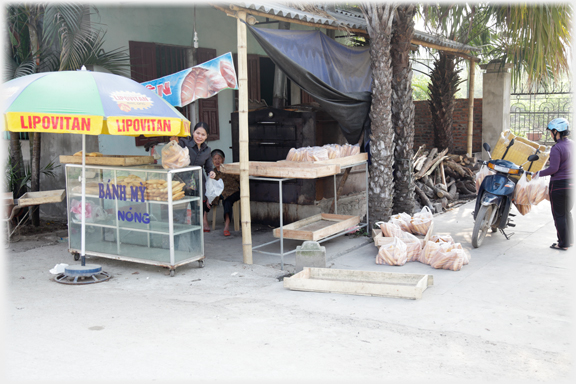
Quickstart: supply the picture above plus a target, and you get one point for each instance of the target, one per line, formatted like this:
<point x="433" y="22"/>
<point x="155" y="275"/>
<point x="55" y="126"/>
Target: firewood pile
<point x="443" y="180"/>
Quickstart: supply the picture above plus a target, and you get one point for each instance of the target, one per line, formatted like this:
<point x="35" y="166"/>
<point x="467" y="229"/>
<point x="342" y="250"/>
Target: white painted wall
<point x="174" y="24"/>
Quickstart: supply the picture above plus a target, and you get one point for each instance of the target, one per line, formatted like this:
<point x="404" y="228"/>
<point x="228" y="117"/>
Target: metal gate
<point x="530" y="111"/>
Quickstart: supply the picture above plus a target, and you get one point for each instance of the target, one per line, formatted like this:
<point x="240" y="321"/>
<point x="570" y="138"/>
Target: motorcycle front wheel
<point x="482" y="225"/>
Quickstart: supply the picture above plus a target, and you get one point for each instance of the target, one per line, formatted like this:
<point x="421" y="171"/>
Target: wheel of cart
<point x="201" y="263"/>
<point x="76" y="256"/>
<point x="172" y="273"/>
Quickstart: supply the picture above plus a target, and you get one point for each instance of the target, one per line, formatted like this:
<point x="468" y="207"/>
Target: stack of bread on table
<point x="397" y="243"/>
<point x="326" y="152"/>
<point x="156" y="189"/>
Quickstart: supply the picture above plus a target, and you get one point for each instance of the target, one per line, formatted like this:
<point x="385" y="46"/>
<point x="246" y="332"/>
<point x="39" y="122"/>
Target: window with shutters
<point x="149" y="61"/>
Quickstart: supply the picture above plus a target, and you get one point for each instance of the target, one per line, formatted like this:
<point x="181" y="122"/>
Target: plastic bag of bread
<point x="537" y="189"/>
<point x="318" y="153"/>
<point x="428" y="251"/>
<point x="521" y="199"/>
<point x="402" y="223"/>
<point x="174" y="156"/>
<point x="442" y="239"/>
<point x="380" y="240"/>
<point x="421" y="222"/>
<point x="449" y="256"/>
<point x="393" y="253"/>
<point x="482" y="173"/>
<point x="413" y="246"/>
<point x="333" y="151"/>
<point x="390" y="229"/>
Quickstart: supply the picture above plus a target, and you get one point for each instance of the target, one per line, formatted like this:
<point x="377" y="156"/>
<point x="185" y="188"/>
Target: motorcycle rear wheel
<point x="482" y="225"/>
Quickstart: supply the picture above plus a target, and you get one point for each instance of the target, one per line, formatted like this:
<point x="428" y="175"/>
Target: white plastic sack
<point x="213" y="189"/>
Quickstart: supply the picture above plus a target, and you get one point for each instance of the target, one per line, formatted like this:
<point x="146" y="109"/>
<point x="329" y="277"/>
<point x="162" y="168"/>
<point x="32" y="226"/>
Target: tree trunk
<point x="403" y="110"/>
<point x="35" y="40"/>
<point x="381" y="186"/>
<point x="443" y="86"/>
<point x="17" y="162"/>
<point x="35" y="181"/>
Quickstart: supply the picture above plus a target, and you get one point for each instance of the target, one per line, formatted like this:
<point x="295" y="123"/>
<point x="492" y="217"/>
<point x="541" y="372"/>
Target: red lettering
<point x="167" y="126"/>
<point x="67" y="122"/>
<point x="35" y="121"/>
<point x="23" y="123"/>
<point x="86" y="124"/>
<point x="128" y="125"/>
<point x="136" y="124"/>
<point x="54" y="120"/>
<point x="164" y="89"/>
<point x="46" y="122"/>
<point x="76" y="124"/>
<point x="150" y="87"/>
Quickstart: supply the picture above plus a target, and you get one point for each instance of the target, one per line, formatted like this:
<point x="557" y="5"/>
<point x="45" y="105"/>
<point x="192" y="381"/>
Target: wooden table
<point x="320" y="228"/>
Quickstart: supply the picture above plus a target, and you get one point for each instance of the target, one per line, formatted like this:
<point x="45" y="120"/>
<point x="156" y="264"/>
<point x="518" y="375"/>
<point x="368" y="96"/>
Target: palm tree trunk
<point x="381" y="186"/>
<point x="443" y="86"/>
<point x="35" y="170"/>
<point x="403" y="110"/>
<point x="17" y="162"/>
<point x="33" y="28"/>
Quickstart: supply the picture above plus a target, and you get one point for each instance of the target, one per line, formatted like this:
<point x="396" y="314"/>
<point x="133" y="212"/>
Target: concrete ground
<point x="506" y="316"/>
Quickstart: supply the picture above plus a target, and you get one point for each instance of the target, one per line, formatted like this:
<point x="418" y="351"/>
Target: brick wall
<point x="424" y="133"/>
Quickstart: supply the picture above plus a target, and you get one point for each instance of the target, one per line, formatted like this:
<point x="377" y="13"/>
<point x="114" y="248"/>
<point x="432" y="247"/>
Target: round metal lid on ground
<point x="82" y="274"/>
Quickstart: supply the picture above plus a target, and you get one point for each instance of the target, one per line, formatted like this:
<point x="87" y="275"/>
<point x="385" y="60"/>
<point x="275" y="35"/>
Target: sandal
<point x="226" y="233"/>
<point x="206" y="230"/>
<point x="556" y="246"/>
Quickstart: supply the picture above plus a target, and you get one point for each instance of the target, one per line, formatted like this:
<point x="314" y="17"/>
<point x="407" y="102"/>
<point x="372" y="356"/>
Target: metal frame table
<point x="281" y="239"/>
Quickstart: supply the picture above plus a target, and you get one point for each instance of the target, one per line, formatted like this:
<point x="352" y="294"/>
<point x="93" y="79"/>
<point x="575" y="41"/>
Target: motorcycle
<point x="492" y="209"/>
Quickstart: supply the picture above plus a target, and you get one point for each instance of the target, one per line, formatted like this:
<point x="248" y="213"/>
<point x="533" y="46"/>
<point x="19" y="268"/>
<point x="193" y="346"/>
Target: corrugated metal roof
<point x="340" y="17"/>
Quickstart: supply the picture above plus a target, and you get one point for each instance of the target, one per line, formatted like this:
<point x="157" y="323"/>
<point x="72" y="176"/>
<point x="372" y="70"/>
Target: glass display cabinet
<point x="145" y="214"/>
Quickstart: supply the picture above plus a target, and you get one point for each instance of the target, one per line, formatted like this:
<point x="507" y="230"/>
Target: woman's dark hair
<point x="201" y="125"/>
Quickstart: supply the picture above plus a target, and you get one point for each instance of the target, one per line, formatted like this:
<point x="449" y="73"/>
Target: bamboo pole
<point x="243" y="138"/>
<point x="471" y="108"/>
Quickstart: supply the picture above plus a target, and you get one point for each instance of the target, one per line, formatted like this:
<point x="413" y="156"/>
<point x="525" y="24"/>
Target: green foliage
<point x="420" y="84"/>
<point x="68" y="39"/>
<point x="16" y="184"/>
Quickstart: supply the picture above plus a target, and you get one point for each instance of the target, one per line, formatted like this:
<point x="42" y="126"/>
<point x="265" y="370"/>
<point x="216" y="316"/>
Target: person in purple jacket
<point x="560" y="172"/>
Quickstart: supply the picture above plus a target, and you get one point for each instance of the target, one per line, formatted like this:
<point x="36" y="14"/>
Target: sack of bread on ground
<point x="413" y="246"/>
<point x="442" y="239"/>
<point x="421" y="222"/>
<point x="393" y="253"/>
<point x="449" y="256"/>
<point x="174" y="156"/>
<point x="428" y="251"/>
<point x="390" y="229"/>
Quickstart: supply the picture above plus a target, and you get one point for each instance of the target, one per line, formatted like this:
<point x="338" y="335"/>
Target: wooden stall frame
<point x="280" y="229"/>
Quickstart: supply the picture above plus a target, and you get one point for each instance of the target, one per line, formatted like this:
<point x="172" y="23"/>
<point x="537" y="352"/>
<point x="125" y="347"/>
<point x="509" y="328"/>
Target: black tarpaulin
<point x="338" y="77"/>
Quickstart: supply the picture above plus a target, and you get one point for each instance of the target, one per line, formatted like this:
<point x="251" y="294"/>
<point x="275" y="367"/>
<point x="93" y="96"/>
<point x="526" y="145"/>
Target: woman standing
<point x="560" y="172"/>
<point x="200" y="155"/>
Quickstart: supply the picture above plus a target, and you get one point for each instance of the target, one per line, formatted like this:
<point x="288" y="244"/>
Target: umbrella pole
<point x="83" y="209"/>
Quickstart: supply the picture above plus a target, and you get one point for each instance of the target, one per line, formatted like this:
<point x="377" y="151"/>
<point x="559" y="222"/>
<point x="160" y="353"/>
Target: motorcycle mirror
<point x="486" y="147"/>
<point x="533" y="158"/>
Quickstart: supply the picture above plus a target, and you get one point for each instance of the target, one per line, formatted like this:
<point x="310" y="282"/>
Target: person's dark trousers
<point x="229" y="202"/>
<point x="561" y="202"/>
